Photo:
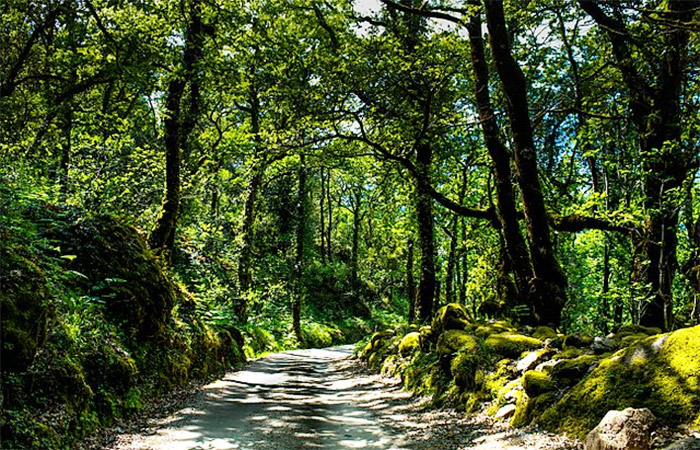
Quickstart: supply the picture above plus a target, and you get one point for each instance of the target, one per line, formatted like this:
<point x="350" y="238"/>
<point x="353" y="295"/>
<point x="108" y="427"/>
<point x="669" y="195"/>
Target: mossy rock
<point x="452" y="316"/>
<point x="122" y="271"/>
<point x="494" y="327"/>
<point x="631" y="339"/>
<point x="503" y="373"/>
<point x="463" y="369"/>
<point x="569" y="371"/>
<point x="511" y="345"/>
<point x="577" y="340"/>
<point x="661" y="373"/>
<point x="543" y="333"/>
<point x="409" y="343"/>
<point x="569" y="353"/>
<point x="452" y="341"/>
<point x="528" y="409"/>
<point x="24" y="308"/>
<point x="536" y="382"/>
<point x="638" y="329"/>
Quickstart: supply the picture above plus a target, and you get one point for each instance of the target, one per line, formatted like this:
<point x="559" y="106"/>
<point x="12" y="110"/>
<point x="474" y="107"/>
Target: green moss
<point x="530" y="408"/>
<point x="577" y="340"/>
<point x="511" y="345"/>
<point x="660" y="373"/>
<point x="452" y="316"/>
<point x="638" y="329"/>
<point x="630" y="339"/>
<point x="494" y="327"/>
<point x="452" y="341"/>
<point x="463" y="369"/>
<point x="24" y="308"/>
<point x="410" y="343"/>
<point x="543" y="333"/>
<point x="571" y="352"/>
<point x="496" y="379"/>
<point x="569" y="371"/>
<point x="536" y="382"/>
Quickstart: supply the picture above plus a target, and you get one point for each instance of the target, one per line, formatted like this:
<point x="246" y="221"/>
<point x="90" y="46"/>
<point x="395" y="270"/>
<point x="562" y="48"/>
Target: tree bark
<point x="410" y="284"/>
<point x="162" y="238"/>
<point x="356" y="222"/>
<point x="515" y="246"/>
<point x="299" y="258"/>
<point x="426" y="236"/>
<point x="548" y="288"/>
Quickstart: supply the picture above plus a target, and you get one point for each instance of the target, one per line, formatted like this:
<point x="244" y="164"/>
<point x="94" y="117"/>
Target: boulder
<point x="455" y="340"/>
<point x="532" y="359"/>
<point x="577" y="340"/>
<point x="536" y="383"/>
<point x="511" y="345"/>
<point x="410" y="343"/>
<point x="602" y="344"/>
<point x="629" y="429"/>
<point x="452" y="316"/>
<point x="543" y="333"/>
<point x="505" y="412"/>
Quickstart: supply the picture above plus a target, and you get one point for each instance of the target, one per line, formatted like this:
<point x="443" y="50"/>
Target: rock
<point x="536" y="383"/>
<point x="410" y="343"/>
<point x="602" y="344"/>
<point x="452" y="316"/>
<point x="543" y="333"/>
<point x="577" y="340"/>
<point x="463" y="369"/>
<point x="638" y="329"/>
<point x="629" y="429"/>
<point x="511" y="345"/>
<point x="685" y="444"/>
<point x="505" y="412"/>
<point x="455" y="340"/>
<point x="532" y="359"/>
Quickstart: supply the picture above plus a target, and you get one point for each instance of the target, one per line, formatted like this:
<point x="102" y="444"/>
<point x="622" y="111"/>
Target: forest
<point x="455" y="185"/>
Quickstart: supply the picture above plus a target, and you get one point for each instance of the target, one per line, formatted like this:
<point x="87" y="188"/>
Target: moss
<point x="569" y="371"/>
<point x="24" y="308"/>
<point x="463" y="369"/>
<point x="530" y="408"/>
<point x="660" y="373"/>
<point x="452" y="341"/>
<point x="571" y="352"/>
<point x="496" y="379"/>
<point x="124" y="273"/>
<point x="577" y="340"/>
<point x="452" y="316"/>
<point x="631" y="339"/>
<point x="494" y="327"/>
<point x="409" y="343"/>
<point x="638" y="329"/>
<point x="536" y="382"/>
<point x="511" y="345"/>
<point x="543" y="333"/>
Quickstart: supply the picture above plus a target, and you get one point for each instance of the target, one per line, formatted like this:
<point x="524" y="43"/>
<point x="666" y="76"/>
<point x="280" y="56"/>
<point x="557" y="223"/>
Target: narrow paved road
<point x="321" y="399"/>
<point x="302" y="399"/>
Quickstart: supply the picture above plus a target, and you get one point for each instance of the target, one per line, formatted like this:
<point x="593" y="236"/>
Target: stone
<point x="505" y="412"/>
<point x="532" y="359"/>
<point x="629" y="429"/>
<point x="685" y="444"/>
<point x="602" y="344"/>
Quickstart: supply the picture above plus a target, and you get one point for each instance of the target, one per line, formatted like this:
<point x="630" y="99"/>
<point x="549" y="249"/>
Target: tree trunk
<point x="548" y="289"/>
<point x="322" y="214"/>
<point x="299" y="259"/>
<point x="451" y="262"/>
<point x="249" y="207"/>
<point x="515" y="246"/>
<point x="410" y="284"/>
<point x="356" y="221"/>
<point x="426" y="236"/>
<point x="162" y="238"/>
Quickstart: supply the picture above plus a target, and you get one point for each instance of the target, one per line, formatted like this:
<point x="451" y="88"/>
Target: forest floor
<point x="321" y="398"/>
